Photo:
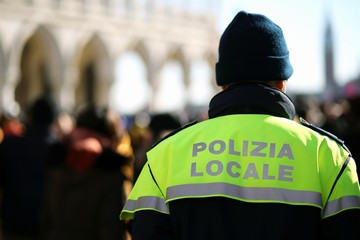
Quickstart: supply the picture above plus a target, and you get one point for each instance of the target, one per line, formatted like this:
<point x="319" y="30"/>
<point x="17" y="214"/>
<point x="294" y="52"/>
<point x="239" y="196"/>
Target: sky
<point x="303" y="24"/>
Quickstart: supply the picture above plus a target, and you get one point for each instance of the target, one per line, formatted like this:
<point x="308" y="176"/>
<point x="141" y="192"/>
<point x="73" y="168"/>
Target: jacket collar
<point x="249" y="98"/>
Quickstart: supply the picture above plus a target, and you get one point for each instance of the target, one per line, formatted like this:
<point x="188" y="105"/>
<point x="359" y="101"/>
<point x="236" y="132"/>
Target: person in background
<point x="22" y="172"/>
<point x="250" y="171"/>
<point x="351" y="134"/>
<point x="63" y="125"/>
<point x="160" y="125"/>
<point x="1" y="127"/>
<point x="11" y="126"/>
<point x="85" y="190"/>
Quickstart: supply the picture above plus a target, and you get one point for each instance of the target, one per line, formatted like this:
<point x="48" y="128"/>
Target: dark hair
<point x="163" y="121"/>
<point x="98" y="119"/>
<point x="42" y="111"/>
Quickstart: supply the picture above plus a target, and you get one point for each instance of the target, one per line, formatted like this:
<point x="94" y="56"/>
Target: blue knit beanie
<point x="252" y="47"/>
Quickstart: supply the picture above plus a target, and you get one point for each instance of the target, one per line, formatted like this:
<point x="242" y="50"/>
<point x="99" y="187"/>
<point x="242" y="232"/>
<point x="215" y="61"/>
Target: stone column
<point x="9" y="103"/>
<point x="67" y="92"/>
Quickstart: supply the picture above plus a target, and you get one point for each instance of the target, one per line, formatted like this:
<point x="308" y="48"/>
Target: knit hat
<point x="252" y="47"/>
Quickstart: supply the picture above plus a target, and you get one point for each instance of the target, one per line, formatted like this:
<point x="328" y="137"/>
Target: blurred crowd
<point x="67" y="175"/>
<point x="339" y="117"/>
<point x="64" y="176"/>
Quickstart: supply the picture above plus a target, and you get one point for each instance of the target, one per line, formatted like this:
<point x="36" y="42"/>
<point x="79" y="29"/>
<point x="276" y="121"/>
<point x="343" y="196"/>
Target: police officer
<point x="250" y="171"/>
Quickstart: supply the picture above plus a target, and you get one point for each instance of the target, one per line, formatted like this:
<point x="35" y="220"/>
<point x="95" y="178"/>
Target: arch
<point x="136" y="56"/>
<point x="131" y="91"/>
<point x="200" y="87"/>
<point x="170" y="88"/>
<point x="40" y="67"/>
<point x="178" y="54"/>
<point x="94" y="80"/>
<point x="140" y="48"/>
<point x="173" y="54"/>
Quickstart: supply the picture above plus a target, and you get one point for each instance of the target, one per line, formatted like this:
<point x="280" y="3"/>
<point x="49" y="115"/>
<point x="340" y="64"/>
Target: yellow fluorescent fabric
<point x="145" y="195"/>
<point x="254" y="158"/>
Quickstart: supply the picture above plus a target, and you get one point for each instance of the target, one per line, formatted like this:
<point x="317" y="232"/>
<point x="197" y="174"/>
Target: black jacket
<point x="22" y="172"/>
<point x="83" y="192"/>
<point x="224" y="218"/>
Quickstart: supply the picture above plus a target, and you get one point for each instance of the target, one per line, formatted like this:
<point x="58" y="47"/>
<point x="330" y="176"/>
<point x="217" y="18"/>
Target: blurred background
<point x="158" y="56"/>
<point x="121" y="74"/>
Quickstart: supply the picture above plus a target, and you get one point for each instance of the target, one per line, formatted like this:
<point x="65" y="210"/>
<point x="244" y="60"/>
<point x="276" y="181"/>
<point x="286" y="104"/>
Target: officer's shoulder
<point x="323" y="132"/>
<point x="172" y="133"/>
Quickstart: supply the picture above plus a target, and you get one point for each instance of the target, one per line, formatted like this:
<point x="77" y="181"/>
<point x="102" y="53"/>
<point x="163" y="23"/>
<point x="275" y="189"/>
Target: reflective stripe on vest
<point x="146" y="203"/>
<point x="145" y="195"/>
<point x="348" y="202"/>
<point x="245" y="193"/>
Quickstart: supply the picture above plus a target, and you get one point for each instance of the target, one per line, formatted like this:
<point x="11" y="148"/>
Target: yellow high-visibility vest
<point x="253" y="158"/>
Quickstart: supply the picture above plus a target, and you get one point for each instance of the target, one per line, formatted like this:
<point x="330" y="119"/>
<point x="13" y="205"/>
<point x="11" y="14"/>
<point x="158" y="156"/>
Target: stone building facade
<point x="68" y="48"/>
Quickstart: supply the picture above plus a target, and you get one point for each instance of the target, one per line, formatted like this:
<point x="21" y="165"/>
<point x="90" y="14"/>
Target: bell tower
<point x="331" y="86"/>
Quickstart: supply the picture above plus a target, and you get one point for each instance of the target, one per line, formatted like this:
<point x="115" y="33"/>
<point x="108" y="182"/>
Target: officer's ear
<point x="224" y="87"/>
<point x="281" y="85"/>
